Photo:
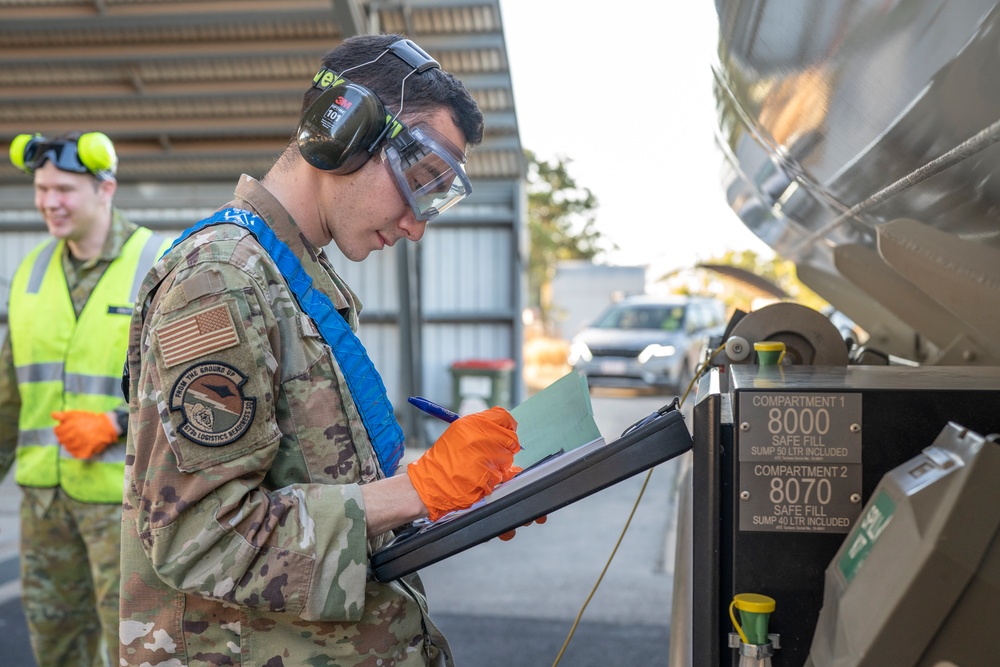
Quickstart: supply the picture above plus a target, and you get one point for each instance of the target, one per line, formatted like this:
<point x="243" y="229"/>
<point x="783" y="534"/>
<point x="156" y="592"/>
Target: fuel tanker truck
<point x="842" y="503"/>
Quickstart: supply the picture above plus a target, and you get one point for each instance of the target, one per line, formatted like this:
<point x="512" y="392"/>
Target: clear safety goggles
<point x="427" y="169"/>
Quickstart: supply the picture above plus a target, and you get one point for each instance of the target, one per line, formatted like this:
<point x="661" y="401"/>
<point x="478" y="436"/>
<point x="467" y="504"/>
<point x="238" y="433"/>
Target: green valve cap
<point x="755" y="611"/>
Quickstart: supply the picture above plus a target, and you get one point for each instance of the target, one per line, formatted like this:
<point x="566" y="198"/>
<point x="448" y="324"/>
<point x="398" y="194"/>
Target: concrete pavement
<point x="14" y="645"/>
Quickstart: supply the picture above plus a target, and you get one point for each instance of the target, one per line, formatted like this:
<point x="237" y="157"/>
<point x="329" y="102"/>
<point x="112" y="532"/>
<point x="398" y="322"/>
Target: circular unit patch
<point x="210" y="396"/>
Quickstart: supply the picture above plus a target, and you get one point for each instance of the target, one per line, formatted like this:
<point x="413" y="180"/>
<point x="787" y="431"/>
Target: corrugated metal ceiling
<point x="204" y="91"/>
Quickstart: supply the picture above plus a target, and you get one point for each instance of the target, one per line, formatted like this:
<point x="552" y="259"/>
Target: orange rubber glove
<point x="509" y="535"/>
<point x="470" y="458"/>
<point x="85" y="434"/>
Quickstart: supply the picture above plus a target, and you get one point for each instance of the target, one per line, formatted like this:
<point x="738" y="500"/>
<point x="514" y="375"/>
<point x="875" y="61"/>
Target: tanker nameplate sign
<point x="799" y="461"/>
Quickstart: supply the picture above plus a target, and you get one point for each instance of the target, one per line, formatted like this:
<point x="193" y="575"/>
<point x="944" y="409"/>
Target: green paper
<point x="559" y="417"/>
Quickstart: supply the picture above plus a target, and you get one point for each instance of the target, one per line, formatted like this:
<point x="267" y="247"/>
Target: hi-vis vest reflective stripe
<point x="67" y="364"/>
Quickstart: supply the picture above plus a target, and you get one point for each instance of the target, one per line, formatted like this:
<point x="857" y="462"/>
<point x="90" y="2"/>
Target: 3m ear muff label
<point x="335" y="112"/>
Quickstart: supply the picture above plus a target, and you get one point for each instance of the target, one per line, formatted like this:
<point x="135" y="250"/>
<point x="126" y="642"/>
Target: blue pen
<point x="433" y="409"/>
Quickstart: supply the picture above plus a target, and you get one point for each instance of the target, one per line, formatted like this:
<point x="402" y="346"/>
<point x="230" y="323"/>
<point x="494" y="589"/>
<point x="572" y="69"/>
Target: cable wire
<point x="635" y="506"/>
<point x="586" y="602"/>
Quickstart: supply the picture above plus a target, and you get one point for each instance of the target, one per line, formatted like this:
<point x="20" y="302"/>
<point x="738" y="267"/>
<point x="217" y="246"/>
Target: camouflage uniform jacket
<point x="244" y="538"/>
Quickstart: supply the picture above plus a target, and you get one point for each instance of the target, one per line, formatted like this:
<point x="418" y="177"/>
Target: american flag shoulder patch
<point x="197" y="334"/>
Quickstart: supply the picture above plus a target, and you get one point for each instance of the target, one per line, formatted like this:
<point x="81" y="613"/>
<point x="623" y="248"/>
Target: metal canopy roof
<point x="205" y="91"/>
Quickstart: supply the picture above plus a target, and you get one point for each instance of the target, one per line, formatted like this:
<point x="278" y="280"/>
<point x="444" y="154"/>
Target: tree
<point x="561" y="225"/>
<point x="739" y="294"/>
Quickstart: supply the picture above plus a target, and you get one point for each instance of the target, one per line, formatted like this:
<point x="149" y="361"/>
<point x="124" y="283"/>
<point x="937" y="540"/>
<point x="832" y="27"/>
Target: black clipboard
<point x="555" y="483"/>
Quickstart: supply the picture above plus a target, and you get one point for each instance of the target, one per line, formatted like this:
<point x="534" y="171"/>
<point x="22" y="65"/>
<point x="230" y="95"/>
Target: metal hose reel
<point x="810" y="338"/>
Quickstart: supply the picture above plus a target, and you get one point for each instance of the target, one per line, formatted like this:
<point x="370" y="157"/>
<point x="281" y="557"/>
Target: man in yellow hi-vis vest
<point x="62" y="413"/>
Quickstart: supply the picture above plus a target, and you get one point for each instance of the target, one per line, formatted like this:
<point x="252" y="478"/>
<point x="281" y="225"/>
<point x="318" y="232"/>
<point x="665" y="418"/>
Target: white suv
<point x="652" y="341"/>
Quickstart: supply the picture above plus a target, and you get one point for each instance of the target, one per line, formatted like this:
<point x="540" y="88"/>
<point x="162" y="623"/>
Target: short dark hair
<point x="425" y="92"/>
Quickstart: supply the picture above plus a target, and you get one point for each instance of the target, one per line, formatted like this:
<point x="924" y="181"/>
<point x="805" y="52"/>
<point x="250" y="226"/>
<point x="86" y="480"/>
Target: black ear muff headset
<point x="347" y="123"/>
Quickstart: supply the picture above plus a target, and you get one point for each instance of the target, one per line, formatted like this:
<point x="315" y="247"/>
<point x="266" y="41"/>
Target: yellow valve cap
<point x="754" y="602"/>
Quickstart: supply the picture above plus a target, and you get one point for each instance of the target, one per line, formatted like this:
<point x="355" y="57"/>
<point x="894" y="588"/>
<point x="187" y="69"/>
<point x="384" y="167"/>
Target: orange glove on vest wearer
<point x="85" y="434"/>
<point x="470" y="458"/>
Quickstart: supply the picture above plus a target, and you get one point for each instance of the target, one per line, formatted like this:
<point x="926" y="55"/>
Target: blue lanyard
<point x="362" y="378"/>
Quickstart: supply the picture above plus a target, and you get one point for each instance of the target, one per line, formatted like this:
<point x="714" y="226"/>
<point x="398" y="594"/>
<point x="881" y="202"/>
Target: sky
<point x="624" y="91"/>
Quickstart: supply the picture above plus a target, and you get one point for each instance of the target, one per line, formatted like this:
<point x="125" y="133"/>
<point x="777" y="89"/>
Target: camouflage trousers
<point x="70" y="555"/>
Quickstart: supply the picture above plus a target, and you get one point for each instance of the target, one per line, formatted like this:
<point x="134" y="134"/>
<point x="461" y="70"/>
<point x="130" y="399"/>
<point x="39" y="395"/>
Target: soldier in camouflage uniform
<point x="256" y="486"/>
<point x="61" y="408"/>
